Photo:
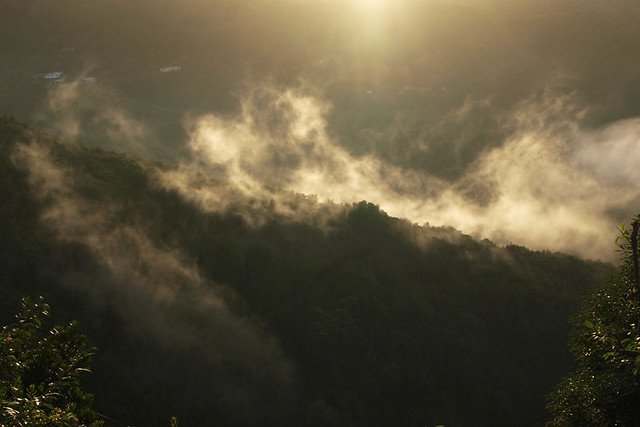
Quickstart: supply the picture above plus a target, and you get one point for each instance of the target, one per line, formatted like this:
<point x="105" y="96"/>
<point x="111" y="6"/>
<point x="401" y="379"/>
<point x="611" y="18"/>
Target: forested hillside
<point x="321" y="314"/>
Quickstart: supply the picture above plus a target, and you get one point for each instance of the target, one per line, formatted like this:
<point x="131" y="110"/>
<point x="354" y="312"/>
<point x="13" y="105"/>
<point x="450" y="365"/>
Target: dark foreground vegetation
<point x="605" y="340"/>
<point x="39" y="372"/>
<point x="366" y="320"/>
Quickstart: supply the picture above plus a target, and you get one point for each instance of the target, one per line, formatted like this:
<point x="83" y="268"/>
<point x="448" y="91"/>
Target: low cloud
<point x="278" y="146"/>
<point x="550" y="184"/>
<point x="87" y="109"/>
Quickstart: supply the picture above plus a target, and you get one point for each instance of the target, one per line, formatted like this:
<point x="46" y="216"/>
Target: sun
<point x="370" y="18"/>
<point x="372" y="5"/>
<point x="369" y="11"/>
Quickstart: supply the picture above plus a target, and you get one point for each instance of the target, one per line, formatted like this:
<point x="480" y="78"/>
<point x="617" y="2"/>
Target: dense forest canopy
<point x="337" y="315"/>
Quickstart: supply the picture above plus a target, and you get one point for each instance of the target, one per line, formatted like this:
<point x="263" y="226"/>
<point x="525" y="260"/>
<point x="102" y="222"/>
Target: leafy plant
<point x="39" y="373"/>
<point x="605" y="389"/>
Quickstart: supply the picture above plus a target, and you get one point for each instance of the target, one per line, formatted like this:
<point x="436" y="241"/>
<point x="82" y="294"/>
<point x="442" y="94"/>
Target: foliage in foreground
<point x="39" y="374"/>
<point x="605" y="389"/>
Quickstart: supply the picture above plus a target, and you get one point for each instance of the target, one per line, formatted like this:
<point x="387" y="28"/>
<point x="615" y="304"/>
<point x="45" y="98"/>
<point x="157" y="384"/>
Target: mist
<point x="549" y="180"/>
<point x="89" y="111"/>
<point x="157" y="291"/>
<point x="517" y="125"/>
<point x="551" y="184"/>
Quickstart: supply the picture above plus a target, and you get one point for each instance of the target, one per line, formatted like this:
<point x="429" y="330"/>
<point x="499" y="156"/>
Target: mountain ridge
<point x="364" y="319"/>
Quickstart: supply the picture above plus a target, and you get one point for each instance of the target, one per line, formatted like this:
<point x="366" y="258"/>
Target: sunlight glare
<point x="370" y="18"/>
<point x="369" y="6"/>
<point x="369" y="3"/>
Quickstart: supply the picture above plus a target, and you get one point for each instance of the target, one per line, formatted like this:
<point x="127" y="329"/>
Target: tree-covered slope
<point x="342" y="316"/>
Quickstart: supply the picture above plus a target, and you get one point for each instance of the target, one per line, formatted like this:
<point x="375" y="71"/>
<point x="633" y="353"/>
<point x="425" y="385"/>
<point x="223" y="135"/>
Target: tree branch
<point x="634" y="250"/>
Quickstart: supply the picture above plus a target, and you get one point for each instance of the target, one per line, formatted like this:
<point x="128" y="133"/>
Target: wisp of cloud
<point x="551" y="184"/>
<point x="158" y="292"/>
<point x="75" y="109"/>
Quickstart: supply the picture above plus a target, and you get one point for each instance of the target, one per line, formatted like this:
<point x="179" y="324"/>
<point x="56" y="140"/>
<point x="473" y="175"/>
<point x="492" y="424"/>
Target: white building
<point x="169" y="69"/>
<point x="54" y="75"/>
